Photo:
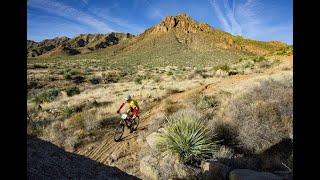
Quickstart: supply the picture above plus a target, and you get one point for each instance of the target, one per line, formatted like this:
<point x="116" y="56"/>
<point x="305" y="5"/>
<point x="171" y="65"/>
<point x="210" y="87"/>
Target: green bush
<point x="95" y="80"/>
<point x="259" y="59"/>
<point x="157" y="79"/>
<point x="67" y="75"/>
<point x="110" y="77"/>
<point x="169" y="73"/>
<point x="138" y="80"/>
<point x="205" y="102"/>
<point x="187" y="136"/>
<point x="72" y="91"/>
<point x="47" y="96"/>
<point x="40" y="66"/>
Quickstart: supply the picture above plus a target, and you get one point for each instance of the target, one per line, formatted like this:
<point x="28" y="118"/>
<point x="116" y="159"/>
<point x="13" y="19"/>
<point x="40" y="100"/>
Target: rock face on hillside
<point x="79" y="44"/>
<point x="181" y="22"/>
<point x="47" y="161"/>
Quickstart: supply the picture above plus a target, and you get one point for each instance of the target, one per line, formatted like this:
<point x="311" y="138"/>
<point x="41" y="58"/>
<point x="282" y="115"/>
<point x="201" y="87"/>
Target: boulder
<point x="148" y="167"/>
<point x="212" y="169"/>
<point x="247" y="174"/>
<point x="171" y="167"/>
<point x="152" y="140"/>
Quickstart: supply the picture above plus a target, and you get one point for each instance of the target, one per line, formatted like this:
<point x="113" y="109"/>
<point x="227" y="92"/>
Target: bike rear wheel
<point x="136" y="122"/>
<point x="118" y="132"/>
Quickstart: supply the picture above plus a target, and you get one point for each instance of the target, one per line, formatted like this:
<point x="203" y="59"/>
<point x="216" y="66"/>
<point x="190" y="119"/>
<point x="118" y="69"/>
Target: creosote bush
<point x="95" y="80"/>
<point x="187" y="136"/>
<point x="72" y="91"/>
<point x="263" y="114"/>
<point x="47" y="96"/>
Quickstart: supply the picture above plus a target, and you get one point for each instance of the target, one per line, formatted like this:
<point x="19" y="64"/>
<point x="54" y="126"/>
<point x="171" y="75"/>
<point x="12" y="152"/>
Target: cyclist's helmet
<point x="127" y="98"/>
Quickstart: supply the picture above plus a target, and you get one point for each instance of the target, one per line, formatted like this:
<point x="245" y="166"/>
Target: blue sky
<point x="264" y="20"/>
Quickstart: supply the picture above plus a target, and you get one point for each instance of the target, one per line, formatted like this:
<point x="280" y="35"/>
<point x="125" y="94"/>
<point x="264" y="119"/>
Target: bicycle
<point x="127" y="121"/>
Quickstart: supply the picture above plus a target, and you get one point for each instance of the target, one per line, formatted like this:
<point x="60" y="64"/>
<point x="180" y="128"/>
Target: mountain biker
<point x="132" y="108"/>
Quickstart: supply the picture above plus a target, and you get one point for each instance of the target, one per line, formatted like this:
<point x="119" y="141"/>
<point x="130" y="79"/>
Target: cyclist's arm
<point x="120" y="107"/>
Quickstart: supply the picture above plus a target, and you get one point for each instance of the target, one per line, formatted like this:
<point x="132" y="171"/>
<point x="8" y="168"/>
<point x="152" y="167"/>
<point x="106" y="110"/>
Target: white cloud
<point x="155" y="12"/>
<point x="246" y="18"/>
<point x="104" y="15"/>
<point x="71" y="13"/>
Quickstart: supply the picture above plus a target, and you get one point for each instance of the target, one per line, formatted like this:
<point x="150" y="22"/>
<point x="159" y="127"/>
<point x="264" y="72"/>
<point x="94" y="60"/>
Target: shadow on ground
<point x="47" y="161"/>
<point x="269" y="160"/>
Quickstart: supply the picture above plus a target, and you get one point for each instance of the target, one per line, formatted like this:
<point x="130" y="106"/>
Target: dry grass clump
<point x="263" y="114"/>
<point x="170" y="107"/>
<point x="170" y="91"/>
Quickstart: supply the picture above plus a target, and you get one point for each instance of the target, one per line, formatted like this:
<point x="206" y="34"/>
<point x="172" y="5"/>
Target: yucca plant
<point x="187" y="136"/>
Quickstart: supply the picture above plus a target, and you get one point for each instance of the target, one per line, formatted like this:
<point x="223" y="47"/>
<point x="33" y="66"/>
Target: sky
<point x="264" y="20"/>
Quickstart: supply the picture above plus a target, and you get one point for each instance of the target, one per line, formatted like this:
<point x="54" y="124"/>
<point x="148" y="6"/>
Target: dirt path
<point x="124" y="154"/>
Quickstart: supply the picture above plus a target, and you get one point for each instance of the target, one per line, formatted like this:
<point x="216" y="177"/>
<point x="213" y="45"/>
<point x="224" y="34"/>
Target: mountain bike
<point x="127" y="121"/>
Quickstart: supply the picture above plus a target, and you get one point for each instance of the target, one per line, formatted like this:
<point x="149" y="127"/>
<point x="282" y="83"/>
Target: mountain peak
<point x="181" y="22"/>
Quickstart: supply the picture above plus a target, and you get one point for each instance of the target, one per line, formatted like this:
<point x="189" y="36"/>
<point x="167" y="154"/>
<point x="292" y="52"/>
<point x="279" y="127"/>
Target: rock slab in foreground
<point x="247" y="174"/>
<point x="214" y="170"/>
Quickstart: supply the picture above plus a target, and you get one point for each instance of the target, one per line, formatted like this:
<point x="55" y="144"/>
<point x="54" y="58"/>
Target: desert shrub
<point x="72" y="90"/>
<point x="138" y="79"/>
<point x="76" y="121"/>
<point x="173" y="91"/>
<point x="259" y="59"/>
<point x="263" y="114"/>
<point x="224" y="67"/>
<point x="67" y="76"/>
<point x="157" y="79"/>
<point x="205" y="102"/>
<point x="69" y="110"/>
<point x="224" y="152"/>
<point x="34" y="85"/>
<point x="46" y="96"/>
<point x="40" y="66"/>
<point x="169" y="73"/>
<point x="225" y="132"/>
<point x="264" y="64"/>
<point x="110" y="77"/>
<point x="187" y="136"/>
<point x="78" y="79"/>
<point x="51" y="78"/>
<point x="95" y="80"/>
<point x="54" y="133"/>
<point x="170" y="107"/>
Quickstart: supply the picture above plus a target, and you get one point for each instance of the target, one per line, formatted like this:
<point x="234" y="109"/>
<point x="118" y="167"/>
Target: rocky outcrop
<point x="247" y="174"/>
<point x="151" y="140"/>
<point x="212" y="169"/>
<point x="149" y="167"/>
<point x="182" y="22"/>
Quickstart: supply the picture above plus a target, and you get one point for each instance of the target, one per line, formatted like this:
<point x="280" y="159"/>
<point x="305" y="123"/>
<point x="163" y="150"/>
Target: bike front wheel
<point x="118" y="132"/>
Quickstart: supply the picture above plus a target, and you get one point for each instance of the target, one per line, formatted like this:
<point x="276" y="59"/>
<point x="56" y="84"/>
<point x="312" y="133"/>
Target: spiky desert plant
<point x="187" y="136"/>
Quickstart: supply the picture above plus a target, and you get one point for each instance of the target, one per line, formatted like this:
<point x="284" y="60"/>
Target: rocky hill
<point x="175" y="34"/>
<point x="72" y="46"/>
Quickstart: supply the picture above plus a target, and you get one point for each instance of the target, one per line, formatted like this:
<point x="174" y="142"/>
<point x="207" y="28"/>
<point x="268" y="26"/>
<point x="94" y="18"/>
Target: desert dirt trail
<point x="125" y="154"/>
